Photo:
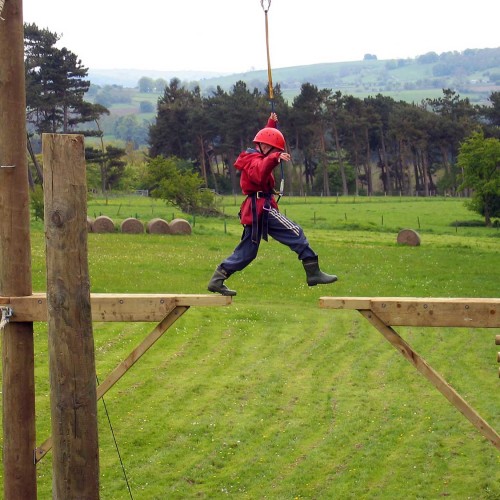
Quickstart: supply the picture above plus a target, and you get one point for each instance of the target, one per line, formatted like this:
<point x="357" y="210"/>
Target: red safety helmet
<point x="271" y="136"/>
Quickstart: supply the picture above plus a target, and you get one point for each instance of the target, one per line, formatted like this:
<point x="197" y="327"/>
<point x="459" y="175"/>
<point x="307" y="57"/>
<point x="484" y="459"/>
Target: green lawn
<point x="273" y="397"/>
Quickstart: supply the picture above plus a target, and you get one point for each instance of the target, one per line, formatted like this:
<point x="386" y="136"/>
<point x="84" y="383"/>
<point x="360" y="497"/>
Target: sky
<point x="229" y="36"/>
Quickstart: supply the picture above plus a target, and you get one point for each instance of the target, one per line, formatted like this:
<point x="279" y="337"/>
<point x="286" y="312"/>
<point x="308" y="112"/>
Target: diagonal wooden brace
<point x="434" y="377"/>
<point x="175" y="313"/>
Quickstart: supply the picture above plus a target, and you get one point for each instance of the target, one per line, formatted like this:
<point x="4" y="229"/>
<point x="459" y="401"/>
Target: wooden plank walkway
<point x="412" y="311"/>
<point x="120" y="307"/>
<point x="164" y="309"/>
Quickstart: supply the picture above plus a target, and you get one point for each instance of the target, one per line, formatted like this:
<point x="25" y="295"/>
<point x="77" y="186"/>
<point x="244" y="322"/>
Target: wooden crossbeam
<point x="163" y="309"/>
<point x="385" y="312"/>
<point x="411" y="311"/>
<point x="113" y="307"/>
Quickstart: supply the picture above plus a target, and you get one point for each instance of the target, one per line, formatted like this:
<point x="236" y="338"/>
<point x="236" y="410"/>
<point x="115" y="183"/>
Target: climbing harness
<point x="266" y="5"/>
<point x="7" y="313"/>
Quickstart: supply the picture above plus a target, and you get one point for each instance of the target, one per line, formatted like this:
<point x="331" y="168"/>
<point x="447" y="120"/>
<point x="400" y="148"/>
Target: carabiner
<point x="268" y="5"/>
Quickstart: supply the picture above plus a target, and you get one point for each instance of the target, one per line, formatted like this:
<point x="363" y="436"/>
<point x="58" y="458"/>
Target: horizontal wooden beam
<point x="414" y="311"/>
<point x="114" y="307"/>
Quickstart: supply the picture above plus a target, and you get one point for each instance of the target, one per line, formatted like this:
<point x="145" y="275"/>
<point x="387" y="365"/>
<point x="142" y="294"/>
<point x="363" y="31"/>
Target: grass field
<point x="273" y="397"/>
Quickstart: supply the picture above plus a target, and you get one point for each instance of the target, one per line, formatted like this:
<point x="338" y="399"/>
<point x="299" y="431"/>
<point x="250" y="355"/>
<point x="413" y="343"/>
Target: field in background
<point x="272" y="397"/>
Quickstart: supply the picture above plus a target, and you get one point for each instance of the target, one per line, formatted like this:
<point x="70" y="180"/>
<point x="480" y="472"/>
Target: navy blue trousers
<point x="281" y="229"/>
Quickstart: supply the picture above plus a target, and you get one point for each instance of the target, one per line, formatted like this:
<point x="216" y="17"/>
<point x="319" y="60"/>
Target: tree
<point x="146" y="85"/>
<point x="110" y="164"/>
<point x="174" y="181"/>
<point x="146" y="107"/>
<point x="492" y="114"/>
<point x="160" y="84"/>
<point x="55" y="84"/>
<point x="129" y="129"/>
<point x="479" y="159"/>
<point x="170" y="135"/>
<point x="309" y="121"/>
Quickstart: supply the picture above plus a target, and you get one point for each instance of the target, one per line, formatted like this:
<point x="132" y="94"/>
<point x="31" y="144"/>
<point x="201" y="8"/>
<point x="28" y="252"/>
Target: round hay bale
<point x="132" y="226"/>
<point x="180" y="226"/>
<point x="408" y="237"/>
<point x="90" y="221"/>
<point x="157" y="226"/>
<point x="103" y="224"/>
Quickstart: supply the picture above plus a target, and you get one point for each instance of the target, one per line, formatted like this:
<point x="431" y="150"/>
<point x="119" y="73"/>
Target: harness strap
<point x="255" y="230"/>
<point x="265" y="215"/>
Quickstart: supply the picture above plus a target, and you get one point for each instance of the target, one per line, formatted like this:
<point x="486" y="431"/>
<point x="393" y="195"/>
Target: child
<point x="259" y="212"/>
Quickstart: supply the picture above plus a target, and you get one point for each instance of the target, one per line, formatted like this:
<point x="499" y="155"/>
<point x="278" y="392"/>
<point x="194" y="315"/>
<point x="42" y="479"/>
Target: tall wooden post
<point x="75" y="461"/>
<point x="18" y="386"/>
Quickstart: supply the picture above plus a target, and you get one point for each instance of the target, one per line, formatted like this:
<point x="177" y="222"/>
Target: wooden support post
<point x="71" y="344"/>
<point x="18" y="385"/>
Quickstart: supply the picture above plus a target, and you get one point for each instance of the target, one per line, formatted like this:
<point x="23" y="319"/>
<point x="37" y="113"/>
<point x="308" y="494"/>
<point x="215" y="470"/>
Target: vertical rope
<point x="269" y="73"/>
<point x="271" y="90"/>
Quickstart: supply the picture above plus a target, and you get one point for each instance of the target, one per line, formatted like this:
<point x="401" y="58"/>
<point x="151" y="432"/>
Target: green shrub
<point x="36" y="197"/>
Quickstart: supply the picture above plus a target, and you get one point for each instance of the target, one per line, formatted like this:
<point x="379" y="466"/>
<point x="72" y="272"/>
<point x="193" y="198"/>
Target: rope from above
<point x="269" y="73"/>
<point x="266" y="8"/>
<point x="2" y="2"/>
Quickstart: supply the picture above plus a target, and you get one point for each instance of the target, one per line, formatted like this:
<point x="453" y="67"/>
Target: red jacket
<point x="256" y="175"/>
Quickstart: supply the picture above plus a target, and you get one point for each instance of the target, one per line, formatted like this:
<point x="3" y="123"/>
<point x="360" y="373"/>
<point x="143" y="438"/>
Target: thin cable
<point x="116" y="445"/>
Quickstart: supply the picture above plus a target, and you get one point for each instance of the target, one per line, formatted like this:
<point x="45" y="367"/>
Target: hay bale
<point x="90" y="221"/>
<point x="103" y="224"/>
<point x="180" y="226"/>
<point x="132" y="226"/>
<point x="157" y="226"/>
<point x="408" y="237"/>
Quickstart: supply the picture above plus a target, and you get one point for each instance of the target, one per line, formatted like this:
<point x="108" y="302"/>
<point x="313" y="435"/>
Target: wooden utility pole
<point x="18" y="385"/>
<point x="75" y="461"/>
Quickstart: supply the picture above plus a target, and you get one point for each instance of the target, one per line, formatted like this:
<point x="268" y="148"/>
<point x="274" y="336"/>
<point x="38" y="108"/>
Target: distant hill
<point x="129" y="77"/>
<point x="474" y="73"/>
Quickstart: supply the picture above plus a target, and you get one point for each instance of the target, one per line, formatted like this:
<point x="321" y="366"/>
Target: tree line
<point x="340" y="144"/>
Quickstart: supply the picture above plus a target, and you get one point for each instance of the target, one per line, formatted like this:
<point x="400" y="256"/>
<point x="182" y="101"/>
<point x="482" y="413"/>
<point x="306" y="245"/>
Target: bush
<point x="174" y="181"/>
<point x="146" y="107"/>
<point x="36" y="197"/>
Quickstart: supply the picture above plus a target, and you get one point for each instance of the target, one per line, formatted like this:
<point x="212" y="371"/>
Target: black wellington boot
<point x="314" y="275"/>
<point x="216" y="283"/>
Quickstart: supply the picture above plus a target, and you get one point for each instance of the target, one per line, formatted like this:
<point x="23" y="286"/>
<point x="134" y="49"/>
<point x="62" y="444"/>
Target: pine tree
<point x="55" y="84"/>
